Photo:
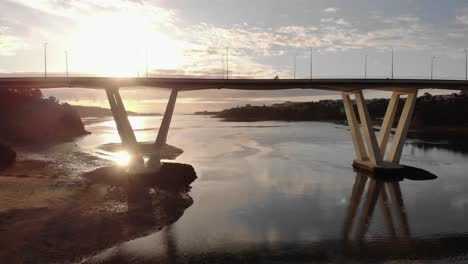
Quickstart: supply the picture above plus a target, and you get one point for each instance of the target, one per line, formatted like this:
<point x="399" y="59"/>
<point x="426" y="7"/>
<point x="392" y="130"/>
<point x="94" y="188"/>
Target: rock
<point x="7" y="156"/>
<point x="172" y="177"/>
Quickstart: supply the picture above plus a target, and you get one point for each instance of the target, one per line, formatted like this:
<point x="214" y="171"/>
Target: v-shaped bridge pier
<point x="371" y="152"/>
<point x="127" y="135"/>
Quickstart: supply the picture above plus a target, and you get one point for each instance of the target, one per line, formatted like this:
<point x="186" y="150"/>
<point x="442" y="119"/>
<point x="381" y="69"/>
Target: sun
<point x="120" y="45"/>
<point x="121" y="158"/>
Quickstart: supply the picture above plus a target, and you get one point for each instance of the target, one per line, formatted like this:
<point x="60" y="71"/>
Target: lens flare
<point x="122" y="158"/>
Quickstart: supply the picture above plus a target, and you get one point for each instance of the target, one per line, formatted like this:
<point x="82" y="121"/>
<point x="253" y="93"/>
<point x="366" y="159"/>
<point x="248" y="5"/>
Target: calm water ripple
<point x="286" y="192"/>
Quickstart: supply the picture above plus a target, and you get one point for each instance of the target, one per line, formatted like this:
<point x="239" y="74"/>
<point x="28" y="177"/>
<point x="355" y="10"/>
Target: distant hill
<point x="94" y="111"/>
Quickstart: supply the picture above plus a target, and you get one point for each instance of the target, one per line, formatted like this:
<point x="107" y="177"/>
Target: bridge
<point x="373" y="152"/>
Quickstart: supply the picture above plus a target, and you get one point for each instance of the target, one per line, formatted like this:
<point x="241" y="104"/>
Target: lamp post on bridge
<point x="45" y="60"/>
<point x="392" y="64"/>
<point x="295" y="58"/>
<point x="365" y="66"/>
<point x="432" y="66"/>
<point x="311" y="62"/>
<point x="146" y="63"/>
<point x="227" y="62"/>
<point x="222" y="66"/>
<point x="466" y="64"/>
<point x="66" y="62"/>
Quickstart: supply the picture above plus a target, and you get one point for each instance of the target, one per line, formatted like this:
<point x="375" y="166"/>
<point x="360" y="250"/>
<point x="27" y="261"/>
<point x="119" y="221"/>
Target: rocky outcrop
<point x="7" y="156"/>
<point x="171" y="177"/>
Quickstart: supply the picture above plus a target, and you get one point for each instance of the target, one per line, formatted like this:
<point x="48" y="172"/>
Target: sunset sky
<point x="182" y="38"/>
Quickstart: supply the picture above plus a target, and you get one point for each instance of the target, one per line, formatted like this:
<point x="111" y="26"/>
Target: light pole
<point x="295" y="55"/>
<point x="432" y="66"/>
<point x="365" y="67"/>
<point x="222" y="66"/>
<point x="227" y="63"/>
<point x="66" y="62"/>
<point x="466" y="64"/>
<point x="45" y="60"/>
<point x="146" y="61"/>
<point x="311" y="63"/>
<point x="392" y="63"/>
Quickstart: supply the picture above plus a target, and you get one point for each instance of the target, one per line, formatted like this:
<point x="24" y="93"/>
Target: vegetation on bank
<point x="431" y="111"/>
<point x="27" y="117"/>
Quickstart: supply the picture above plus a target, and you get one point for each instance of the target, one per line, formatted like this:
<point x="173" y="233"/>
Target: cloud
<point x="9" y="45"/>
<point x="462" y="17"/>
<point x="342" y="22"/>
<point x="201" y="45"/>
<point x="330" y="10"/>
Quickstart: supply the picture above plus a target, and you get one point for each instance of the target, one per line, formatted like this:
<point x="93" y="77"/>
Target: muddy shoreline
<point x="47" y="216"/>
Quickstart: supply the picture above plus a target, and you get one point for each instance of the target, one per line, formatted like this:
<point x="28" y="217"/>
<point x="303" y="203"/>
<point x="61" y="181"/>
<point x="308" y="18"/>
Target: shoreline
<point x="88" y="215"/>
<point x="86" y="218"/>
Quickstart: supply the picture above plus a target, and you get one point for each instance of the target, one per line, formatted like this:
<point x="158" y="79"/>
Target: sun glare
<point x="122" y="158"/>
<point x="119" y="45"/>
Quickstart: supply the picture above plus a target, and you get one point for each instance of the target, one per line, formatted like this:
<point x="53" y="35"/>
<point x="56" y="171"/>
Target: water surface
<point x="279" y="191"/>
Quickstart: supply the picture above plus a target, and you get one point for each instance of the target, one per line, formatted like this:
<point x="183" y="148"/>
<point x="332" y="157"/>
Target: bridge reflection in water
<point x="357" y="242"/>
<point x="389" y="194"/>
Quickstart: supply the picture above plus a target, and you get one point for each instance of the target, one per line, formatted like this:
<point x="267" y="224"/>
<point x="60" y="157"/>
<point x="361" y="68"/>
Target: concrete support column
<point x="371" y="141"/>
<point x="402" y="128"/>
<point x="124" y="128"/>
<point x="353" y="123"/>
<point x="388" y="122"/>
<point x="371" y="156"/>
<point x="155" y="158"/>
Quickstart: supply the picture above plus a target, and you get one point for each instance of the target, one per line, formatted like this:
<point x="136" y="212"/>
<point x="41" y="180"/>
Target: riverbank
<point x="42" y="221"/>
<point x="49" y="216"/>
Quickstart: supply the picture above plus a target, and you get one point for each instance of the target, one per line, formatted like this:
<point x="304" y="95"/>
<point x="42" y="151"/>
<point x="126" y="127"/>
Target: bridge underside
<point x="187" y="84"/>
<point x="371" y="151"/>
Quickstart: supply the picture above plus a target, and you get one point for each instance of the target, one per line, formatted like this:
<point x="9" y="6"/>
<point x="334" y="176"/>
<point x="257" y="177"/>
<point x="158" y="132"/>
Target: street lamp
<point x="146" y="62"/>
<point x="392" y="63"/>
<point x="311" y="63"/>
<point x="45" y="60"/>
<point x="466" y="64"/>
<point x="295" y="58"/>
<point x="66" y="62"/>
<point x="222" y="66"/>
<point x="227" y="63"/>
<point x="365" y="67"/>
<point x="432" y="66"/>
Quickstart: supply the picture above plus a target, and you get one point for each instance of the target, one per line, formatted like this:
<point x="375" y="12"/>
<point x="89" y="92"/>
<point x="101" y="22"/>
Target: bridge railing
<point x="238" y="76"/>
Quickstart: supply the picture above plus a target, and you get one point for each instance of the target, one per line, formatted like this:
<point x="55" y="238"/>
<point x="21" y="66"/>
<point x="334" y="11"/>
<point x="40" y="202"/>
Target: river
<point x="279" y="191"/>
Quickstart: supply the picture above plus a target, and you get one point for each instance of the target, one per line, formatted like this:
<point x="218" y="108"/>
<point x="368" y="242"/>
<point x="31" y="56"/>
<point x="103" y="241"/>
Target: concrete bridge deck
<point x="182" y="84"/>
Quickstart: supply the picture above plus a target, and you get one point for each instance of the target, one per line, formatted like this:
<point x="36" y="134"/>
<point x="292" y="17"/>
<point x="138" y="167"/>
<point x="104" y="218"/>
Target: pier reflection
<point x="387" y="193"/>
<point x="369" y="193"/>
<point x="375" y="204"/>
